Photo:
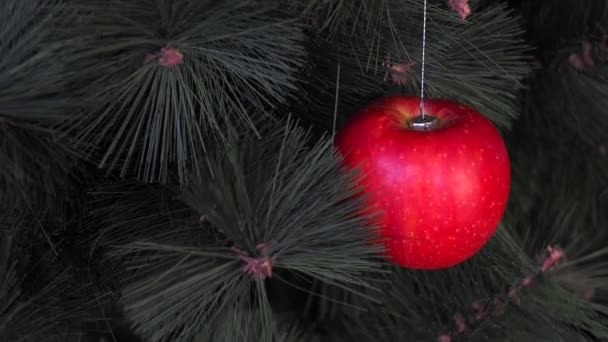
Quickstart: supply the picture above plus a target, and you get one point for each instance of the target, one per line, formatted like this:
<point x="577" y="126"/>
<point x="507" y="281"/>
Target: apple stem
<point x="423" y="122"/>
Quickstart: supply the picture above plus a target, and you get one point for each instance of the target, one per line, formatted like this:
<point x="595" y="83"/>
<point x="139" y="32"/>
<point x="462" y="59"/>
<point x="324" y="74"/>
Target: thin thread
<point x="333" y="131"/>
<point x="423" y="62"/>
<point x="46" y="235"/>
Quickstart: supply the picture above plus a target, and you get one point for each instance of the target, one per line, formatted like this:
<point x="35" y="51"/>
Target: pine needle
<point x="33" y="98"/>
<point x="229" y="56"/>
<point x="186" y="274"/>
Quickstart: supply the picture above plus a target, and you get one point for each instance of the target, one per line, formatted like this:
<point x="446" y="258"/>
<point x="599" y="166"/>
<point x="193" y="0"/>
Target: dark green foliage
<point x="236" y="55"/>
<point x="551" y="28"/>
<point x="480" y="61"/>
<point x="40" y="298"/>
<point x="545" y="311"/>
<point x="246" y="192"/>
<point x="560" y="164"/>
<point x="33" y="98"/>
<point x="335" y="18"/>
<point x="559" y="189"/>
<point x="552" y="308"/>
<point x="334" y="82"/>
<point x="187" y="277"/>
<point x="244" y="326"/>
<point x="277" y="189"/>
<point x="32" y="74"/>
<point x="578" y="104"/>
<point x="34" y="167"/>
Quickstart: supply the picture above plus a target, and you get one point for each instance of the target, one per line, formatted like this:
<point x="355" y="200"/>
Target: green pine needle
<point x="33" y="98"/>
<point x="33" y="78"/>
<point x="49" y="311"/>
<point x="272" y="189"/>
<point x="481" y="61"/>
<point x="552" y="24"/>
<point x="35" y="169"/>
<point x="188" y="281"/>
<point x="334" y="18"/>
<point x="422" y="306"/>
<point x="560" y="170"/>
<point x="157" y="119"/>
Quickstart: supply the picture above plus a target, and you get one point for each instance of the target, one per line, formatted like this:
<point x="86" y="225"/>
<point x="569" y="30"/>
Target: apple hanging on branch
<point x="440" y="183"/>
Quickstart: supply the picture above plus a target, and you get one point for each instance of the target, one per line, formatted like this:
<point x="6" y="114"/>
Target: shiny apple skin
<point x="440" y="193"/>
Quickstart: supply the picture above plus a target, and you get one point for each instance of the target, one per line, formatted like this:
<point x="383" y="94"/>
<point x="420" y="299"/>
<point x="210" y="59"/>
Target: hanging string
<point x="423" y="62"/>
<point x="333" y="130"/>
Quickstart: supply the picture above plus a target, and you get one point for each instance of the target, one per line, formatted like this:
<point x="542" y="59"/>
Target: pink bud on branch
<point x="553" y="256"/>
<point x="576" y="61"/>
<point x="496" y="306"/>
<point x="259" y="268"/>
<point x="583" y="61"/>
<point x="444" y="338"/>
<point x="527" y="281"/>
<point x="460" y="322"/>
<point x="167" y="57"/>
<point x="461" y="6"/>
<point x="397" y="71"/>
<point x="587" y="54"/>
<point x="478" y="310"/>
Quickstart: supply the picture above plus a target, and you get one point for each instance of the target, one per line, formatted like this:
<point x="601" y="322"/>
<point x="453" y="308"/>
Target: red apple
<point x="440" y="191"/>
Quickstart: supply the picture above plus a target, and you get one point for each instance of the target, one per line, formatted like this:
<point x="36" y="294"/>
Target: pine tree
<point x="168" y="170"/>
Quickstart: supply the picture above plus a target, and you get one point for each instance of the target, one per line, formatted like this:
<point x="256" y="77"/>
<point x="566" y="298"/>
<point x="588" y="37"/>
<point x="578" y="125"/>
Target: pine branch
<point x="274" y="205"/>
<point x="575" y="182"/>
<point x="239" y="325"/>
<point x="275" y="188"/>
<point x="32" y="307"/>
<point x="35" y="169"/>
<point x="480" y="61"/>
<point x="490" y="297"/>
<point x="291" y="330"/>
<point x="32" y="76"/>
<point x="334" y="73"/>
<point x="333" y="18"/>
<point x="551" y="25"/>
<point x="151" y="208"/>
<point x="33" y="98"/>
<point x="559" y="183"/>
<point x="166" y="79"/>
<point x="330" y="303"/>
<point x="573" y="100"/>
<point x="558" y="153"/>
